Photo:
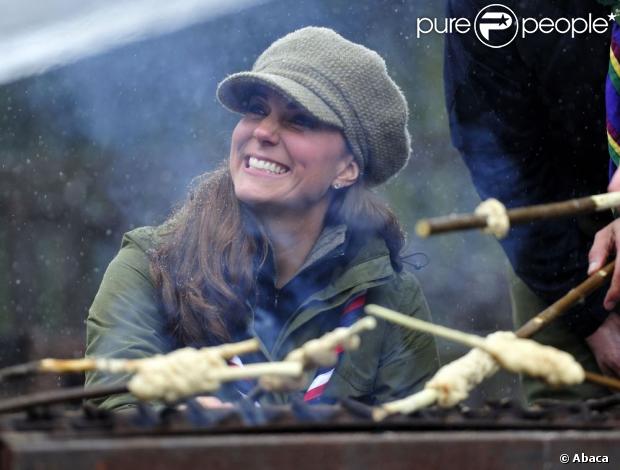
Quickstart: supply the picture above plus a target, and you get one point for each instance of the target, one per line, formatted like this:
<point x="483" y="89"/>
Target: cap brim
<point x="235" y="90"/>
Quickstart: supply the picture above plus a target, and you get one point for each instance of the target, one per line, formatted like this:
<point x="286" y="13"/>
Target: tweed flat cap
<point x="339" y="82"/>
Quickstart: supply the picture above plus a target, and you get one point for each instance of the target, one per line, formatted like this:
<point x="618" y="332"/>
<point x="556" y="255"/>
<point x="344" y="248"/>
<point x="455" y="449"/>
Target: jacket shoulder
<point x="402" y="293"/>
<point x="144" y="238"/>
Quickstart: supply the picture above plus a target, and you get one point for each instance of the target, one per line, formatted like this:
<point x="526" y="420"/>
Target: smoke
<point x="114" y="140"/>
<point x="34" y="39"/>
<point x="149" y="109"/>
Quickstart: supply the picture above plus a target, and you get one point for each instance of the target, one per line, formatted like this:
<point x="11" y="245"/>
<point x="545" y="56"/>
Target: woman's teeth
<point x="267" y="166"/>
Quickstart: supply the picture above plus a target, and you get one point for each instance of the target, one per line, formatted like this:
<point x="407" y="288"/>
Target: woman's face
<point x="282" y="157"/>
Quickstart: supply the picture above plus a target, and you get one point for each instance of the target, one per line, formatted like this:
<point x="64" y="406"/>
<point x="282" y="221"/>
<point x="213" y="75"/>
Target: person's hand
<point x="605" y="345"/>
<point x="606" y="243"/>
<point x="207" y="401"/>
<point x="213" y="402"/>
<point x="614" y="184"/>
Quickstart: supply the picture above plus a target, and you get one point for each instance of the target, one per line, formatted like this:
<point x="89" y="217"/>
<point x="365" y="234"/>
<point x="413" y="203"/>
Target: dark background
<point x="91" y="150"/>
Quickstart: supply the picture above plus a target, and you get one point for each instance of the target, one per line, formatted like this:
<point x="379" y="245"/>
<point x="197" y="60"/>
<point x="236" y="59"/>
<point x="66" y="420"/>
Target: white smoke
<point x="37" y="36"/>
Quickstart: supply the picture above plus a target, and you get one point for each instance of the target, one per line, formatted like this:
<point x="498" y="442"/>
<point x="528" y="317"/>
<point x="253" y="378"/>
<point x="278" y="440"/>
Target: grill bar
<point x="331" y="451"/>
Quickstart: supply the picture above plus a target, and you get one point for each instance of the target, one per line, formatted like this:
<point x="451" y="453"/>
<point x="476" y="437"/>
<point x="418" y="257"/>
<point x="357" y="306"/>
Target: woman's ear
<point x="348" y="175"/>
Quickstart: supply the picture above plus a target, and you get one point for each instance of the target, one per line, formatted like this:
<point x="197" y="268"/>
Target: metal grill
<point x="501" y="434"/>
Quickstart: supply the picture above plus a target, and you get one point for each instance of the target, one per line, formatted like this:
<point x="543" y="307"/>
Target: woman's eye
<point x="304" y="121"/>
<point x="255" y="107"/>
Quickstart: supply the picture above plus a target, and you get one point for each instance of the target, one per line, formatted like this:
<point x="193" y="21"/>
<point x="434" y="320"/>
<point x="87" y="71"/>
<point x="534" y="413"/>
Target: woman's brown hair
<point x="213" y="247"/>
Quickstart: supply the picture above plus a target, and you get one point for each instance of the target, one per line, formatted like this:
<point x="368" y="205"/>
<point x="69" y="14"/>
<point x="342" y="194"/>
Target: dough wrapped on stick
<point x="320" y="352"/>
<point x="172" y="376"/>
<point x="116" y="365"/>
<point x="453" y="382"/>
<point x="492" y="217"/>
<point x="178" y="374"/>
<point x="448" y="387"/>
<point x="190" y="371"/>
<point x="519" y="355"/>
<point x="181" y="374"/>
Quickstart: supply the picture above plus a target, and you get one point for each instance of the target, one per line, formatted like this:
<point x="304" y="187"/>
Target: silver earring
<point x="337" y="186"/>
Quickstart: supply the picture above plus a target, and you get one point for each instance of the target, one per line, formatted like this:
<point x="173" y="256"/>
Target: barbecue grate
<point x="501" y="434"/>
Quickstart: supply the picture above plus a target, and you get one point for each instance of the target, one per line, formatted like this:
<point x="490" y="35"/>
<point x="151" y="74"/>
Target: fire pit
<point x="501" y="434"/>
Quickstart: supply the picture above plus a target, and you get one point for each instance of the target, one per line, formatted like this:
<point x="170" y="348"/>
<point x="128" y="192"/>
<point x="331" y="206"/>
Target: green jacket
<point x="127" y="320"/>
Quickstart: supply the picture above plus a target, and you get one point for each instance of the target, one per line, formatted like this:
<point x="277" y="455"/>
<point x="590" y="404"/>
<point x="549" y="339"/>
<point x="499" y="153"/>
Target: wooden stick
<point x="596" y="280"/>
<point x="252" y="371"/>
<point x="562" y="305"/>
<point x="514" y="354"/>
<point x="229" y="374"/>
<point x="230" y="350"/>
<point x="603" y="380"/>
<point x="520" y="215"/>
<point x="63" y="395"/>
<point x="62" y="366"/>
<point x="463" y="338"/>
<point x="473" y="341"/>
<point x="285" y="369"/>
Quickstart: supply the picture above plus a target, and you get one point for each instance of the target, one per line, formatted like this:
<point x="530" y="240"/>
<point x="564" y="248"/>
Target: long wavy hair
<point x="213" y="247"/>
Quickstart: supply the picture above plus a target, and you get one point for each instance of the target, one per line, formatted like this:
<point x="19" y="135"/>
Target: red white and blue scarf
<point x="352" y="311"/>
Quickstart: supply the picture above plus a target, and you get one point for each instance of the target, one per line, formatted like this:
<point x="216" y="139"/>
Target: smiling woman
<point x="281" y="156"/>
<point x="287" y="241"/>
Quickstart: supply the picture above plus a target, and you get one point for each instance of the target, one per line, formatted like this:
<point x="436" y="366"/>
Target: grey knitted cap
<point x="340" y="83"/>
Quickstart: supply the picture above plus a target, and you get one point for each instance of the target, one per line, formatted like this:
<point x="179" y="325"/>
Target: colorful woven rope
<point x="612" y="100"/>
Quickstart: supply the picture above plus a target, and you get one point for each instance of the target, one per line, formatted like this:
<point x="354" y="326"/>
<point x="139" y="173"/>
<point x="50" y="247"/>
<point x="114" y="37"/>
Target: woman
<point x="287" y="241"/>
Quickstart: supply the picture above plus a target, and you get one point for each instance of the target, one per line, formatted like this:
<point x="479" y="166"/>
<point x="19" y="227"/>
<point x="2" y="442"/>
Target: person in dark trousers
<point x="529" y="122"/>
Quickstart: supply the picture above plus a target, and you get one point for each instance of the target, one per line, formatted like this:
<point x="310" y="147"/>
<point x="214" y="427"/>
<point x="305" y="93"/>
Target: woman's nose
<point x="267" y="130"/>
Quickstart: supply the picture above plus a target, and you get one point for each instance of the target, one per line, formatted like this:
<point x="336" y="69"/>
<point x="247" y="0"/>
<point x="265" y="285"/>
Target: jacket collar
<point x="331" y="238"/>
<point x="365" y="263"/>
